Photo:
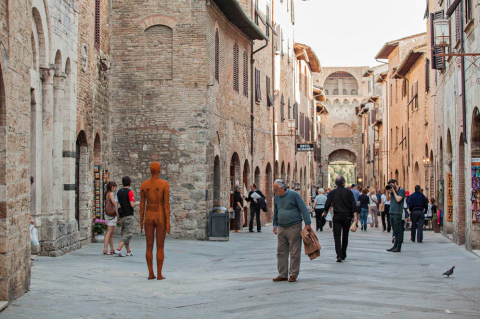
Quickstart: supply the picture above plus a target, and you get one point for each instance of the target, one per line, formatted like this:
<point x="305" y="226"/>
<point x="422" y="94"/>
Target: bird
<point x="449" y="272"/>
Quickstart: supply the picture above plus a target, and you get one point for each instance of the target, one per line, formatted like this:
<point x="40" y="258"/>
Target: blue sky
<point x="351" y="32"/>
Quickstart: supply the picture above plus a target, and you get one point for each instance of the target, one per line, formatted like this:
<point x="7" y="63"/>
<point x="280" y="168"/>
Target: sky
<point x="352" y="32"/>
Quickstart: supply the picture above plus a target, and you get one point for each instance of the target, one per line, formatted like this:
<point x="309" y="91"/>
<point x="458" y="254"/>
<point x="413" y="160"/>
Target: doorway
<point x="81" y="186"/>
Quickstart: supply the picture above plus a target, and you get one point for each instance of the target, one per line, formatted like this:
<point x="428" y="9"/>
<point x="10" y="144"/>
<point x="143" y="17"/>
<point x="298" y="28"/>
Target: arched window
<point x="354" y="92"/>
<point x="235" y="68"/>
<point x="326" y="92"/>
<point x="335" y="92"/>
<point x="245" y="74"/>
<point x="158" y="53"/>
<point x="217" y="56"/>
<point x="345" y="92"/>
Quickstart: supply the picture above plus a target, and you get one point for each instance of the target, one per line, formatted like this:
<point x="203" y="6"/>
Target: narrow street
<point x="233" y="280"/>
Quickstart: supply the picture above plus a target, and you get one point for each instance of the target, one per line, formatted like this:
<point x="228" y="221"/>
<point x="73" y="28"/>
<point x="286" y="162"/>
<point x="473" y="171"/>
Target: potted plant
<point x="99" y="229"/>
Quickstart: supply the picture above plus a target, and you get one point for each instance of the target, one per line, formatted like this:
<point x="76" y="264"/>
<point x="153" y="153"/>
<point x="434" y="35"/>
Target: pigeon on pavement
<point x="449" y="272"/>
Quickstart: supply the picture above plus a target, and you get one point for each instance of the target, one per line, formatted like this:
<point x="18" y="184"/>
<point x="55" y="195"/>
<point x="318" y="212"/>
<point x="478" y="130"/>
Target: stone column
<point x="47" y="140"/>
<point x="58" y="100"/>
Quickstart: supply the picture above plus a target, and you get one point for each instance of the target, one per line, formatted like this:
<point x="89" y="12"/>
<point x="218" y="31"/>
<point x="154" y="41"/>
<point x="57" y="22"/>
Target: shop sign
<point x="449" y="197"/>
<point x="305" y="147"/>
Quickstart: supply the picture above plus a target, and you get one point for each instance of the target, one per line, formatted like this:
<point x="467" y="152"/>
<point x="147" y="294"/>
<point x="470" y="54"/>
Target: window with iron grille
<point x="282" y="109"/>
<point x="235" y="68"/>
<point x="258" y="91"/>
<point x="217" y="56"/>
<point x="245" y="73"/>
<point x="468" y="11"/>
<point x="97" y="23"/>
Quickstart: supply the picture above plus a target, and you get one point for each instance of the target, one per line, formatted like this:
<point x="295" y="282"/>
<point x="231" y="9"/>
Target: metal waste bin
<point x="218" y="227"/>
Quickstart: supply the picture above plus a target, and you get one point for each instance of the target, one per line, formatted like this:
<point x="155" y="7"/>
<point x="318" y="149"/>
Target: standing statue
<point x="156" y="193"/>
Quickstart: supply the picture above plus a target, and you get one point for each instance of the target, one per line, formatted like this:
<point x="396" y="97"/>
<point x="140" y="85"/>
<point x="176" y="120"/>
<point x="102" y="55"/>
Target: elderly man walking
<point x="288" y="213"/>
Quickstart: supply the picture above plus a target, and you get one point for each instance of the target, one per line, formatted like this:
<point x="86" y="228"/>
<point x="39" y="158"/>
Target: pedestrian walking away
<point x="238" y="207"/>
<point x="344" y="207"/>
<point x="111" y="217"/>
<point x="319" y="204"/>
<point x="386" y="212"/>
<point x="254" y="207"/>
<point x="356" y="192"/>
<point x="288" y="214"/>
<point x="396" y="196"/>
<point x="373" y="207"/>
<point x="364" y="201"/>
<point x="126" y="199"/>
<point x="418" y="206"/>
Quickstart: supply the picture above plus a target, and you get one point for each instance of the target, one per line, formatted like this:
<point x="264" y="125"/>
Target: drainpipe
<point x="252" y="117"/>
<point x="462" y="66"/>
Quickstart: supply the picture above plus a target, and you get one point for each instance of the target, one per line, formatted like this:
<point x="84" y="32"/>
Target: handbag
<point x="328" y="217"/>
<point x="369" y="219"/>
<point x="353" y="227"/>
<point x="110" y="208"/>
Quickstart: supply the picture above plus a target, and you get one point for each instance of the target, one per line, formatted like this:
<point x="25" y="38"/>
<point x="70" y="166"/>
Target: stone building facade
<point x="341" y="130"/>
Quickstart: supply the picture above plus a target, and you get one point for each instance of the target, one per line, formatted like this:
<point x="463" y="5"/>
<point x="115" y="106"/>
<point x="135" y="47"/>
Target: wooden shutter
<point x="97" y="23"/>
<point x="427" y="75"/>
<point x="258" y="91"/>
<point x="235" y="68"/>
<point x="282" y="107"/>
<point x="468" y="10"/>
<point x="245" y="73"/>
<point x="217" y="56"/>
<point x="295" y="114"/>
<point x="458" y="25"/>
<point x="269" y="94"/>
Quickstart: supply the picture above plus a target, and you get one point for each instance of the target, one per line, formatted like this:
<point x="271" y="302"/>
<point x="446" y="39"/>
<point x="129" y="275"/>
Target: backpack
<point x="110" y="208"/>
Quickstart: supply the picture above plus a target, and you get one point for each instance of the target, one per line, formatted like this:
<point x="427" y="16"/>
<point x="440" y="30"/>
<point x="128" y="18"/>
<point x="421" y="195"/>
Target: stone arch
<point x="341" y="81"/>
<point x="276" y="171"/>
<point x="448" y="155"/>
<point x="158" y="53"/>
<point x="40" y="20"/>
<point x="246" y="183"/>
<point x="97" y="150"/>
<point x="346" y="103"/>
<point x="282" y="171"/>
<point x="269" y="189"/>
<point x="328" y="102"/>
<point x="342" y="130"/>
<point x="355" y="102"/>
<point x="82" y="194"/>
<point x="257" y="177"/>
<point x="426" y="150"/>
<point x="158" y="19"/>
<point x="289" y="177"/>
<point x="336" y="103"/>
<point x="416" y="174"/>
<point x="354" y="92"/>
<point x="216" y="181"/>
<point x="460" y="195"/>
<point x="342" y="155"/>
<point x="58" y="62"/>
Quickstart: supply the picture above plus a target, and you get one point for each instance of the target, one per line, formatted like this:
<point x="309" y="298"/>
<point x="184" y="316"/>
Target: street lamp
<point x="441" y="32"/>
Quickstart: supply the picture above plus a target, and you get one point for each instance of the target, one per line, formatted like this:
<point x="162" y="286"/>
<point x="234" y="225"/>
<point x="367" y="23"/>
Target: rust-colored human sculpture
<point x="156" y="193"/>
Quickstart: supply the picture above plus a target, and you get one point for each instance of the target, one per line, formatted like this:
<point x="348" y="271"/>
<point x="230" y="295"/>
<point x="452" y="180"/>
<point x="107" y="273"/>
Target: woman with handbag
<point x="318" y="205"/>
<point x="111" y="217"/>
<point x="373" y="207"/>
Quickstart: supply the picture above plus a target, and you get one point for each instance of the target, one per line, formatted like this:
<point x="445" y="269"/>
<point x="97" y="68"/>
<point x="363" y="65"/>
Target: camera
<point x="389" y="187"/>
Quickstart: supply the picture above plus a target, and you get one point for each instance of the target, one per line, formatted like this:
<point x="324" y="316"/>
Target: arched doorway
<point x="416" y="174"/>
<point x="276" y="172"/>
<point x="396" y="175"/>
<point x="234" y="179"/>
<point x="82" y="195"/>
<point x="3" y="207"/>
<point x="216" y="182"/>
<point x="257" y="178"/>
<point x="461" y="198"/>
<point x="246" y="187"/>
<point x="289" y="176"/>
<point x="342" y="162"/>
<point x="449" y="207"/>
<point x="269" y="191"/>
<point x="441" y="178"/>
<point x="97" y="159"/>
<point x="282" y="171"/>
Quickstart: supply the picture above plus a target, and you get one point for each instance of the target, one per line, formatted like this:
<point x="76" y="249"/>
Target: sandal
<point x="105" y="252"/>
<point x="112" y="252"/>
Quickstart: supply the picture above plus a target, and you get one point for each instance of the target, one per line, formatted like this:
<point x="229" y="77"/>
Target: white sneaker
<point x="119" y="253"/>
<point x="129" y="253"/>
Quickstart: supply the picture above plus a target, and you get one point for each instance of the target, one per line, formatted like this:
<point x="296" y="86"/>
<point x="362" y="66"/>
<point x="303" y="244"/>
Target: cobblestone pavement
<point x="233" y="280"/>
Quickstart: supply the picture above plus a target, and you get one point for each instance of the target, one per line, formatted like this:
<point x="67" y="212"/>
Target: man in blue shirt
<point x="356" y="193"/>
<point x="288" y="213"/>
<point x="418" y="206"/>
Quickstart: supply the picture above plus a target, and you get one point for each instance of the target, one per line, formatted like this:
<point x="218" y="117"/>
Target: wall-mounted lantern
<point x="442" y="32"/>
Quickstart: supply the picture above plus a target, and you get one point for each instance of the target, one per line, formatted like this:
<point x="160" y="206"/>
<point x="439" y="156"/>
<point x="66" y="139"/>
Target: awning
<point x="407" y="64"/>
<point x="382" y="77"/>
<point x="321" y="109"/>
<point x="234" y="12"/>
<point x="318" y="94"/>
<point x="373" y="99"/>
<point x="368" y="73"/>
<point x="304" y="52"/>
<point x="386" y="50"/>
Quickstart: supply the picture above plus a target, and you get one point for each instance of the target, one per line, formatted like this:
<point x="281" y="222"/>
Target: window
<point x="293" y="11"/>
<point x="354" y="92"/>
<point x="235" y="68"/>
<point x="245" y="73"/>
<point x="269" y="94"/>
<point x="427" y="75"/>
<point x="335" y="92"/>
<point x="396" y="136"/>
<point x="404" y="88"/>
<point x="438" y="62"/>
<point x="345" y="92"/>
<point x="217" y="56"/>
<point x="391" y="138"/>
<point x="458" y="24"/>
<point x="258" y="91"/>
<point x="267" y="13"/>
<point x="295" y="114"/>
<point x="282" y="109"/>
<point x="299" y="76"/>
<point x="396" y="91"/>
<point x="256" y="12"/>
<point x="97" y="23"/>
<point x="289" y="107"/>
<point x="281" y="43"/>
<point x="468" y="10"/>
<point x="415" y="94"/>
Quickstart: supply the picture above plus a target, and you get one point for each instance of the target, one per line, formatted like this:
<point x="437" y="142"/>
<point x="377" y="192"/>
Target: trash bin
<point x="218" y="227"/>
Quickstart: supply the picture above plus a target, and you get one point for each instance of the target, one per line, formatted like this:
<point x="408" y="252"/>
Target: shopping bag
<point x="33" y="236"/>
<point x="369" y="219"/>
<point x="328" y="217"/>
<point x="353" y="227"/>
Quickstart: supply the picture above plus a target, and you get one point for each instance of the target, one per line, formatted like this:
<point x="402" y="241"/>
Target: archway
<point x="282" y="171"/>
<point x="216" y="182"/>
<point x="269" y="191"/>
<point x="258" y="178"/>
<point x="234" y="179"/>
<point x="342" y="162"/>
<point x="441" y="178"/>
<point x="341" y="81"/>
<point x="449" y="208"/>
<point x="82" y="194"/>
<point x="289" y="177"/>
<point x="396" y="175"/>
<point x="97" y="159"/>
<point x="417" y="174"/>
<point x="3" y="206"/>
<point x="276" y="171"/>
<point x="475" y="158"/>
<point x="461" y="200"/>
